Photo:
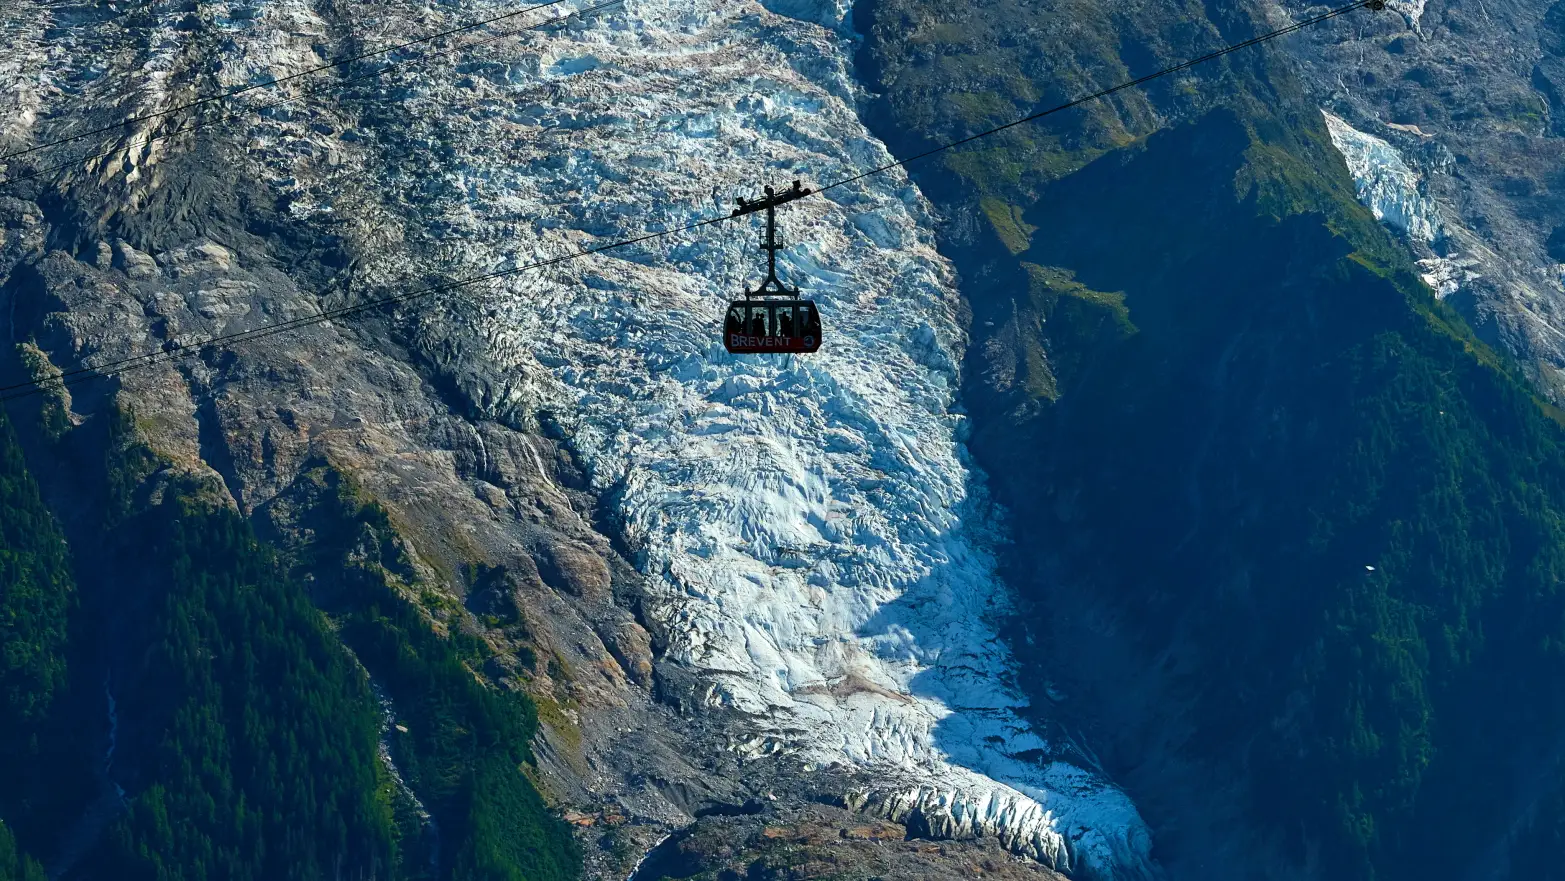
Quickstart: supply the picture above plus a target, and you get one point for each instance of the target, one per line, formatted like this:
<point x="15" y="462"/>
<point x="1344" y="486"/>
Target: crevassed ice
<point x="1446" y="275"/>
<point x="21" y="85"/>
<point x="815" y="536"/>
<point x="1385" y="184"/>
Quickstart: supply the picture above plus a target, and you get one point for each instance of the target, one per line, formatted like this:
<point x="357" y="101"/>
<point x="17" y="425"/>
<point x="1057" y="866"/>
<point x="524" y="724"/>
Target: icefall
<point x="816" y="539"/>
<point x="1386" y="185"/>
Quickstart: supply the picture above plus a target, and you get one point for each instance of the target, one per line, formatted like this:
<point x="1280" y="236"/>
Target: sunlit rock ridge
<point x="817" y="542"/>
<point x="1467" y="98"/>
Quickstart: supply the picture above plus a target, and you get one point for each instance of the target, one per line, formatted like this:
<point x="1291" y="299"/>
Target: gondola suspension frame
<point x="773" y="318"/>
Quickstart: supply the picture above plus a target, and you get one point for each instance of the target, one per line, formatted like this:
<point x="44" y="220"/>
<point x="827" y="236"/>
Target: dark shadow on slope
<point x="1337" y="500"/>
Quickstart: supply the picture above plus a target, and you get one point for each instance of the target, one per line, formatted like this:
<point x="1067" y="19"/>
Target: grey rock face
<point x="575" y="570"/>
<point x="770" y="843"/>
<point x="132" y="262"/>
<point x="632" y="647"/>
<point x="162" y="246"/>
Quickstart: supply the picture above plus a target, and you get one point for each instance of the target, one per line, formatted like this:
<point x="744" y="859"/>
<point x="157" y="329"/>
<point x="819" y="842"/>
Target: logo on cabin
<point x="769" y="342"/>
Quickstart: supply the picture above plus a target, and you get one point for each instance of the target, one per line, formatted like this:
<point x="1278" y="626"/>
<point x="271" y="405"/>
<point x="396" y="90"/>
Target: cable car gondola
<point x="771" y="318"/>
<point x="758" y="325"/>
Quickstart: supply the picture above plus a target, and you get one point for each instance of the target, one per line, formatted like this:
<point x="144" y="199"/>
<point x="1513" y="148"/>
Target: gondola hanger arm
<point x="771" y="200"/>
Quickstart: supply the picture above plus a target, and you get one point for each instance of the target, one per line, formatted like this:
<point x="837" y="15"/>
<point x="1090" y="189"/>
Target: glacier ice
<point x="1446" y="275"/>
<point x="1394" y="193"/>
<point x="1385" y="183"/>
<point x="816" y="540"/>
<point x="1413" y="11"/>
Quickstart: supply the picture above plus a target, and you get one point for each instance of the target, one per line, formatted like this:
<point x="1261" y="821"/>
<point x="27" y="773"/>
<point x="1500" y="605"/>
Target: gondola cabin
<point x="772" y="326"/>
<point x="771" y="318"/>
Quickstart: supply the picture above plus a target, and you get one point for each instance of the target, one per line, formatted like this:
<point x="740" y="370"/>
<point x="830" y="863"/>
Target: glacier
<point x="1385" y="184"/>
<point x="818" y="544"/>
<point x="1394" y="193"/>
<point x="816" y="535"/>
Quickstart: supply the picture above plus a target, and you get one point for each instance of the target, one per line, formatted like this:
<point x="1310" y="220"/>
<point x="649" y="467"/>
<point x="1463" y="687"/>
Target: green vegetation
<point x="53" y="401"/>
<point x="1293" y="410"/>
<point x="37" y="596"/>
<point x="946" y="71"/>
<point x="981" y="109"/>
<point x="1345" y="511"/>
<point x="466" y="745"/>
<point x="255" y="733"/>
<point x="15" y="865"/>
<point x="247" y="736"/>
<point x="1009" y="224"/>
<point x="269" y="761"/>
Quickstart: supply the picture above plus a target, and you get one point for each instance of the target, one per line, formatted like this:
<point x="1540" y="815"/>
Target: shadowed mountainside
<point x="1287" y="533"/>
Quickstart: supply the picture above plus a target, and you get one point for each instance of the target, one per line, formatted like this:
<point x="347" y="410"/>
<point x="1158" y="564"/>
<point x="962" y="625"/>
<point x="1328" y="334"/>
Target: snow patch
<point x="1412" y="10"/>
<point x="581" y="64"/>
<point x="1446" y="275"/>
<point x="1386" y="185"/>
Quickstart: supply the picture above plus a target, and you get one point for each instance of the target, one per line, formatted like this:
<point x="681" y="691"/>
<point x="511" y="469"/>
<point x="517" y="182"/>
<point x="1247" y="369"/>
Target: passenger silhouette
<point x="785" y="322"/>
<point x="758" y="322"/>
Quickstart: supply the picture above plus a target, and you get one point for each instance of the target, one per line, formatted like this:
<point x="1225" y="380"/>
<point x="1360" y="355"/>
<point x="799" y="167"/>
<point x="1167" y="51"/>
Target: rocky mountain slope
<point x="1469" y="95"/>
<point x="1272" y="521"/>
<point x="722" y="581"/>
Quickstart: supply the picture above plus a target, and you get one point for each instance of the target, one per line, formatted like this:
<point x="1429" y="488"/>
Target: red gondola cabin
<point x="767" y="326"/>
<point x="771" y="318"/>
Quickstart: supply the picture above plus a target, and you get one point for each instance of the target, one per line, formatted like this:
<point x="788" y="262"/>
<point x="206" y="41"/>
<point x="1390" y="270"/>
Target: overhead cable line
<point x="87" y="373"/>
<point x="151" y="359"/>
<point x="322" y="87"/>
<point x="1128" y="84"/>
<point x="223" y="96"/>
